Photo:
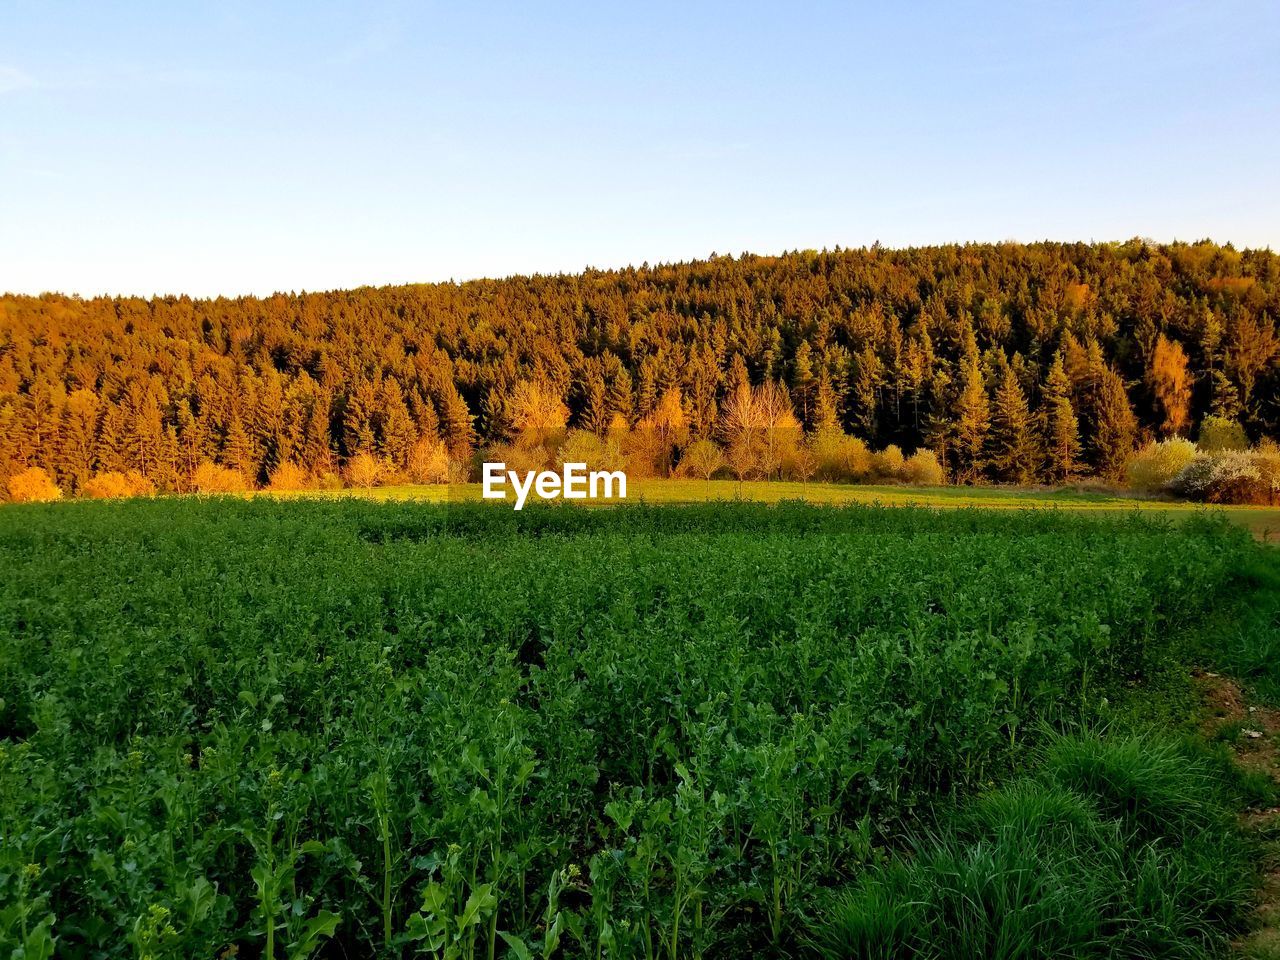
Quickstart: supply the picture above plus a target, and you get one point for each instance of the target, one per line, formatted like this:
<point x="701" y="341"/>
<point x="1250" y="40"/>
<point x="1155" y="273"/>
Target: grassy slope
<point x="1262" y="522"/>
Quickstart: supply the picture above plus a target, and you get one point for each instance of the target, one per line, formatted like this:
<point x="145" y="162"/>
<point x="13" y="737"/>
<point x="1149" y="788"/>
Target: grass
<point x="1262" y="522"/>
<point x="1111" y="847"/>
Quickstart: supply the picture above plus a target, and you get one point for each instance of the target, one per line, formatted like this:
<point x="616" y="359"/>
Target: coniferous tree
<point x="1060" y="428"/>
<point x="621" y="401"/>
<point x="315" y="450"/>
<point x="826" y="411"/>
<point x="868" y="376"/>
<point x="457" y="427"/>
<point x="111" y="439"/>
<point x="922" y="316"/>
<point x="237" y="449"/>
<point x="77" y="440"/>
<point x="971" y="423"/>
<point x="804" y="383"/>
<point x="398" y="433"/>
<point x="1116" y="428"/>
<point x="595" y="413"/>
<point x="1014" y="448"/>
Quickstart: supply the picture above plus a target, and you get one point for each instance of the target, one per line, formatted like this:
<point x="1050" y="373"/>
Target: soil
<point x="1254" y="731"/>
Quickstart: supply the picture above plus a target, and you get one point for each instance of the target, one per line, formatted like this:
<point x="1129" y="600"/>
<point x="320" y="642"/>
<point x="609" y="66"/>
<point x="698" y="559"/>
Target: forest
<point x="1004" y="363"/>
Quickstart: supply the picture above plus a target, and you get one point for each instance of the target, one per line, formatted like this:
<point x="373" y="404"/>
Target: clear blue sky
<point x="244" y="147"/>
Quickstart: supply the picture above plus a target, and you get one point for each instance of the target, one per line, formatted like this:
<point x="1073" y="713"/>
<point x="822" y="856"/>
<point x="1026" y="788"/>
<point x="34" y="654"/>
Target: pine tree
<point x="398" y="433"/>
<point x="971" y="422"/>
<point x="868" y="376"/>
<point x="1059" y="426"/>
<point x="193" y="442"/>
<point x="647" y="388"/>
<point x="1115" y="429"/>
<point x="143" y="431"/>
<point x="237" y="449"/>
<point x="77" y="441"/>
<point x="595" y="407"/>
<point x="457" y="426"/>
<point x="803" y="382"/>
<point x="621" y="401"/>
<point x="826" y="410"/>
<point x="738" y="375"/>
<point x="424" y="415"/>
<point x="358" y="415"/>
<point x="111" y="431"/>
<point x="315" y="451"/>
<point x="1225" y="402"/>
<point x="1012" y="441"/>
<point x="938" y="432"/>
<point x="166" y="474"/>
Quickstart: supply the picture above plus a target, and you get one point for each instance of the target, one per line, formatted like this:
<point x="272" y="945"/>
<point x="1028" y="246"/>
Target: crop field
<point x="343" y="728"/>
<point x="1261" y="521"/>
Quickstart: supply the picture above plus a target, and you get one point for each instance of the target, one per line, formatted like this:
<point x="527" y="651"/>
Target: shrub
<point x="113" y="485"/>
<point x="329" y="481"/>
<point x="799" y="461"/>
<point x="1229" y="476"/>
<point x="33" y="485"/>
<point x="1153" y="468"/>
<point x="839" y="456"/>
<point x="598" y="453"/>
<point x="209" y="477"/>
<point x="517" y="457"/>
<point x="702" y="459"/>
<point x="364" y="470"/>
<point x="889" y="463"/>
<point x="1266" y="458"/>
<point x="923" y="469"/>
<point x="428" y="461"/>
<point x="1219" y="433"/>
<point x="289" y="476"/>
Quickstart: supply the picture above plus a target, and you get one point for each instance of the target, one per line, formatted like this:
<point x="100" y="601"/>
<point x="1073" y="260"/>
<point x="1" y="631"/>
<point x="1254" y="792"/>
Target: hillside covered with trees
<point x="1006" y="362"/>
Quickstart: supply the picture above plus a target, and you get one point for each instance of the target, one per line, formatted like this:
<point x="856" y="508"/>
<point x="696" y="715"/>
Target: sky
<point x="228" y="148"/>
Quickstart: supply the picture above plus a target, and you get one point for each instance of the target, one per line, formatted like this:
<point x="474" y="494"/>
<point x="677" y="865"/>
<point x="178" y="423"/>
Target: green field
<point x="1262" y="522"/>
<point x="345" y="728"/>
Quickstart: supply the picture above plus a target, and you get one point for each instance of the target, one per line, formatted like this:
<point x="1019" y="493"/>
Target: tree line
<point x="1007" y="362"/>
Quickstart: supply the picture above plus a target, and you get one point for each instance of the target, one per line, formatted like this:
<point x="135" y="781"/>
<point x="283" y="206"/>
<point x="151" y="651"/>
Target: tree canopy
<point x="1009" y="361"/>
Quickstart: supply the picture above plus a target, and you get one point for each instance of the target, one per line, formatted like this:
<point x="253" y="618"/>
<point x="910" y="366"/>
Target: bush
<point x="889" y="463"/>
<point x="1266" y="458"/>
<point x="839" y="456"/>
<point x="114" y="485"/>
<point x="209" y="477"/>
<point x="364" y="470"/>
<point x="518" y="457"/>
<point x="598" y="453"/>
<point x="1153" y="468"/>
<point x="701" y="459"/>
<point x="1219" y="433"/>
<point x="923" y="469"/>
<point x="329" y="481"/>
<point x="289" y="476"/>
<point x="1229" y="476"/>
<point x="33" y="485"/>
<point x="428" y="461"/>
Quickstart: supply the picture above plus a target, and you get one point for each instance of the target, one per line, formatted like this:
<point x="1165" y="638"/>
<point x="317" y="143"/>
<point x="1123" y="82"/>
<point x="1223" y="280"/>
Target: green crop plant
<point x="348" y="728"/>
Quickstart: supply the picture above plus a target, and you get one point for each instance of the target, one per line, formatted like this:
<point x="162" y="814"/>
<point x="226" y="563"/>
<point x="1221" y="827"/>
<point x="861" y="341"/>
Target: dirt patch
<point x="1253" y="730"/>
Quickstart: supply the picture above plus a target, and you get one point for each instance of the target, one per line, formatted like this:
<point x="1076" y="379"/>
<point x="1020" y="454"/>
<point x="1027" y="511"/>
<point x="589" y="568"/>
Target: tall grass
<point x="1114" y="847"/>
